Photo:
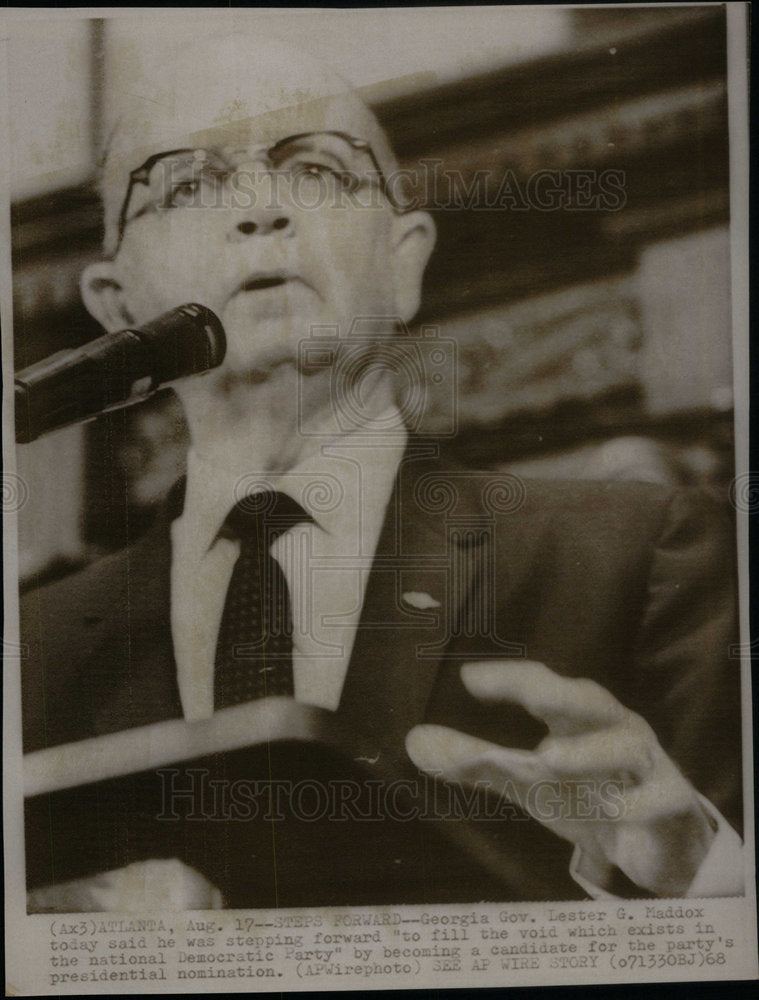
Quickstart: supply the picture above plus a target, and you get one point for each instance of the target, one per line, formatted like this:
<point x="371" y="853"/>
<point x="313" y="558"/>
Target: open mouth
<point x="258" y="284"/>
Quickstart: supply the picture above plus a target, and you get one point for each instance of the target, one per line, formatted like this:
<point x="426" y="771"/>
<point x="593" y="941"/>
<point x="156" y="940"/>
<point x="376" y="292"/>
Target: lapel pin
<point x="418" y="599"/>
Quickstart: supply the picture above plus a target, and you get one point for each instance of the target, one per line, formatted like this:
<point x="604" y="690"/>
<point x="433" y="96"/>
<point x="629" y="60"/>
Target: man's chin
<point x="279" y="372"/>
<point x="242" y="372"/>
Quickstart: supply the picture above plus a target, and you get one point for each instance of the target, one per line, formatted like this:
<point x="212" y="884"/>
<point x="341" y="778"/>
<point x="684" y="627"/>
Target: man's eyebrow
<point x="141" y="174"/>
<point x="306" y="143"/>
<point x="211" y="158"/>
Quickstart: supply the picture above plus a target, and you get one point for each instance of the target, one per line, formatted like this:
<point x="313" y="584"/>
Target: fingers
<point x="629" y="758"/>
<point x="517" y="776"/>
<point x="589" y="790"/>
<point x="566" y="704"/>
<point x="627" y="752"/>
<point x="592" y="736"/>
<point x="456" y="756"/>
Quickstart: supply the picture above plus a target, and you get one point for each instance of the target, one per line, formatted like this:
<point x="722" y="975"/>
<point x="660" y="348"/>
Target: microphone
<point x="78" y="384"/>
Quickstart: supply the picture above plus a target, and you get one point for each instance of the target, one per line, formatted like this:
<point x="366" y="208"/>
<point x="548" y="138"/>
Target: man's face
<point x="273" y="252"/>
<point x="273" y="261"/>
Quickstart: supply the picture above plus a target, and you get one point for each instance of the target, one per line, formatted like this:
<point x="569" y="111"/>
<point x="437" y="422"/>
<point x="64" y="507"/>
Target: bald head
<point x="232" y="90"/>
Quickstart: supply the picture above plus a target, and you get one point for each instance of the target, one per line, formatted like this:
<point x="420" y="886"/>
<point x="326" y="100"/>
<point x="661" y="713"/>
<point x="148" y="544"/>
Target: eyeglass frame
<point x="141" y="174"/>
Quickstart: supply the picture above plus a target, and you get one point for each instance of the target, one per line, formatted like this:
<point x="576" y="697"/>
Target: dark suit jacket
<point x="625" y="583"/>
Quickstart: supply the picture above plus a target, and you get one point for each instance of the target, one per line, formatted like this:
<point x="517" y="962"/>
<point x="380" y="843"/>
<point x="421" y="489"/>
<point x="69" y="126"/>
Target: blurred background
<point x="577" y="167"/>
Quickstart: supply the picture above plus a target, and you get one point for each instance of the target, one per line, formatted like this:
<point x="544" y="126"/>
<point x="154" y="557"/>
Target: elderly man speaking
<point x="483" y="701"/>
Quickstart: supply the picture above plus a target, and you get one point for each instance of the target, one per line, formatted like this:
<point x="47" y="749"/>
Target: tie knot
<point x="262" y="517"/>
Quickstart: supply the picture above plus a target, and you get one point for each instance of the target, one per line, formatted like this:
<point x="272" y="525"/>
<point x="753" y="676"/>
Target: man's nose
<point x="264" y="212"/>
<point x="247" y="227"/>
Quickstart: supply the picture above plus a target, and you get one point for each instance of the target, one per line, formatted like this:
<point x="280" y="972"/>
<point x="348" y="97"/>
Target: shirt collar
<point x="318" y="483"/>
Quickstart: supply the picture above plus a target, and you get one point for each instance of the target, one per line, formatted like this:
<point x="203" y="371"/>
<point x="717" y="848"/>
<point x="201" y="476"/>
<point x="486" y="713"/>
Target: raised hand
<point x="634" y="809"/>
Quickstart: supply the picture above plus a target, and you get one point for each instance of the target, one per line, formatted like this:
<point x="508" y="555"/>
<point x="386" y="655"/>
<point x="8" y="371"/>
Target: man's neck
<point x="276" y="424"/>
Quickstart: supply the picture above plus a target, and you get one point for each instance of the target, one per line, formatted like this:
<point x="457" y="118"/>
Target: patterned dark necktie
<point x="254" y="647"/>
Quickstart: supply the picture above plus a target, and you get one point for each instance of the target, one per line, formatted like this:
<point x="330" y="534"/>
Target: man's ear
<point x="103" y="296"/>
<point x="413" y="242"/>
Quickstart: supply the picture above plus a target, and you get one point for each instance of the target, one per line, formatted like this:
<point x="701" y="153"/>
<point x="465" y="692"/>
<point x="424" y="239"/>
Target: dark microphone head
<point x="81" y="383"/>
<point x="184" y="341"/>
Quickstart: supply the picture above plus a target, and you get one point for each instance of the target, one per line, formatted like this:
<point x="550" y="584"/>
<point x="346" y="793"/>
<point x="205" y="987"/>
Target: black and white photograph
<point x="375" y="495"/>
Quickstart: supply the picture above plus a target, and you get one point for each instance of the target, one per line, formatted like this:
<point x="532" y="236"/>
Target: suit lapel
<point x="414" y="598"/>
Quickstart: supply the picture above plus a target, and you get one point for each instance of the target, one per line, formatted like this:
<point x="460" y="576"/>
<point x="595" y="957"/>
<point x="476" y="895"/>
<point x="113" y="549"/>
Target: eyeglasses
<point x="311" y="165"/>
